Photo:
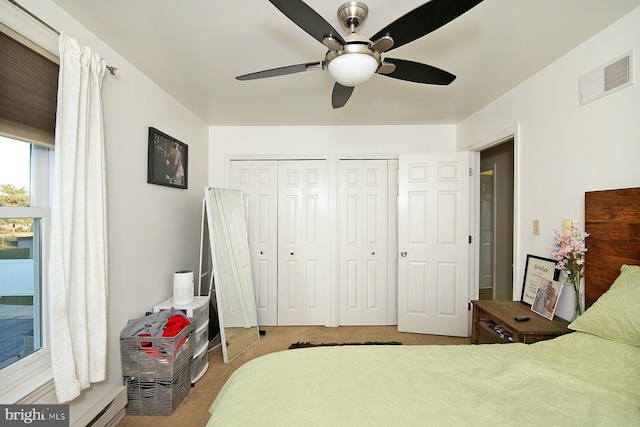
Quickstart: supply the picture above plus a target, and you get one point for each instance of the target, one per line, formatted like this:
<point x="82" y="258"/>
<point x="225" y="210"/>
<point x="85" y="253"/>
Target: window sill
<point x="33" y="390"/>
<point x="28" y="384"/>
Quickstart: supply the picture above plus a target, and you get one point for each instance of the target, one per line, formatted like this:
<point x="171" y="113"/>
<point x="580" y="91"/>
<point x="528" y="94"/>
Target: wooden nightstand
<point x="487" y="313"/>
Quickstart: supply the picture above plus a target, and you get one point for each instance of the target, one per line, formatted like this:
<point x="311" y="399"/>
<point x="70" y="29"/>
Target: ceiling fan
<point x="353" y="59"/>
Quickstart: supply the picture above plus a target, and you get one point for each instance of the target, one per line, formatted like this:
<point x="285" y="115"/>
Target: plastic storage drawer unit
<point x="198" y="311"/>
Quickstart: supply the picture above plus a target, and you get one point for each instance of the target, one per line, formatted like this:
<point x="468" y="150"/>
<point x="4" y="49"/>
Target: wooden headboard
<point x="612" y="218"/>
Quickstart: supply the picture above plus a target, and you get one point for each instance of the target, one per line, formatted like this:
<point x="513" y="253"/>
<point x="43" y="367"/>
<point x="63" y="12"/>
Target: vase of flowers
<point x="569" y="249"/>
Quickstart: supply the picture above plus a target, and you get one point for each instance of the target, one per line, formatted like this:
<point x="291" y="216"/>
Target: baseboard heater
<point x="108" y="412"/>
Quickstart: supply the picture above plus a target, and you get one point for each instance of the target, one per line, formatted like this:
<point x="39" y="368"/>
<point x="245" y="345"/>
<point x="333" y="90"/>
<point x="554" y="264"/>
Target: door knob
<point x="403" y="253"/>
<point x="291" y="253"/>
<point x="261" y="253"/>
<point x="373" y="253"/>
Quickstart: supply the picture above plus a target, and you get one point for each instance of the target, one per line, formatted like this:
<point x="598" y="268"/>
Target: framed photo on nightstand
<point x="546" y="299"/>
<point x="536" y="268"/>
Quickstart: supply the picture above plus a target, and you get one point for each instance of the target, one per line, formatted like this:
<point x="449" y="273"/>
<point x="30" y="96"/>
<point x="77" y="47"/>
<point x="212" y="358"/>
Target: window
<point x="24" y="214"/>
<point x="28" y="92"/>
<point x="19" y="275"/>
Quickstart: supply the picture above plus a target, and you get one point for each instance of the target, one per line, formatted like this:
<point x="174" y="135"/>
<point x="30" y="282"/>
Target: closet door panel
<point x="351" y="295"/>
<point x="289" y="257"/>
<point x="316" y="246"/>
<point x="375" y="238"/>
<point x="375" y="284"/>
<point x="350" y="271"/>
<point x="363" y="248"/>
<point x="290" y="309"/>
<point x="303" y="243"/>
<point x="258" y="182"/>
<point x="311" y="290"/>
<point x="264" y="225"/>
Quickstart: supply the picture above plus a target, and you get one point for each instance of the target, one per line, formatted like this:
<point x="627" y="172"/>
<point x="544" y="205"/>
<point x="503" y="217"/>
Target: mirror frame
<point x="222" y="252"/>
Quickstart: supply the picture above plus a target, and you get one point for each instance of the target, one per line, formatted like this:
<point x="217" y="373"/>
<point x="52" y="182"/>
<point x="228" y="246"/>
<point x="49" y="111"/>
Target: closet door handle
<point x="373" y="253"/>
<point x="291" y="253"/>
<point x="403" y="253"/>
<point x="261" y="253"/>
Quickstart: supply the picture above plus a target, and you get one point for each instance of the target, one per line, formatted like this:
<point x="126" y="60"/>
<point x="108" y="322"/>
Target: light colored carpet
<point x="193" y="410"/>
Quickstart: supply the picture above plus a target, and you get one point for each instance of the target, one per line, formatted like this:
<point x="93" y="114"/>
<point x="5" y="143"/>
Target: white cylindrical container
<point x="183" y="287"/>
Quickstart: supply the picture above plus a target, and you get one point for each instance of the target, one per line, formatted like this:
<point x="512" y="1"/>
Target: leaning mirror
<point x="233" y="281"/>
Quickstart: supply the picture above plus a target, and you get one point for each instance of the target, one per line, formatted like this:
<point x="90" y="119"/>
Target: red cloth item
<point x="174" y="325"/>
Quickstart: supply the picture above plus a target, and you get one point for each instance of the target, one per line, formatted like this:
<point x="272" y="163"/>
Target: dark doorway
<point x="496" y="222"/>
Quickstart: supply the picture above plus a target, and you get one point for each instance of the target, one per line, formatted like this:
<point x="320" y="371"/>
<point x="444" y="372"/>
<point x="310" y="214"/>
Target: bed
<point x="588" y="377"/>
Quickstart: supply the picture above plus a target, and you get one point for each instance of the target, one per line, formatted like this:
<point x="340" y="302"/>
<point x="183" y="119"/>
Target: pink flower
<point x="569" y="249"/>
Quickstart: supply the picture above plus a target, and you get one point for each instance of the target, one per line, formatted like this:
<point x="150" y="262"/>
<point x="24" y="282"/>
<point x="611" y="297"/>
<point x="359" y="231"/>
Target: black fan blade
<point x="424" y="19"/>
<point x="307" y="19"/>
<point x="418" y="73"/>
<point x="281" y="71"/>
<point x="340" y="95"/>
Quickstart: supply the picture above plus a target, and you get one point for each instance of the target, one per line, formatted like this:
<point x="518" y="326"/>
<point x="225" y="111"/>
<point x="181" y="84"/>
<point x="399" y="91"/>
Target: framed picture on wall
<point x="546" y="299"/>
<point x="167" y="162"/>
<point x="536" y="269"/>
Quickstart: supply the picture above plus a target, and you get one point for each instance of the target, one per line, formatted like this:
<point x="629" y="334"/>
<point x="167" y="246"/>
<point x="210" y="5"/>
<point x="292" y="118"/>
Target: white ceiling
<point x="195" y="48"/>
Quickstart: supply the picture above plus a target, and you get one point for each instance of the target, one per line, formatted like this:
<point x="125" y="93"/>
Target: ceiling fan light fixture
<point x="353" y="65"/>
<point x="353" y="69"/>
<point x="354" y="58"/>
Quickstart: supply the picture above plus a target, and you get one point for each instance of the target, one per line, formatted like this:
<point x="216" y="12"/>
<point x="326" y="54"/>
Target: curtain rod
<point x="113" y="70"/>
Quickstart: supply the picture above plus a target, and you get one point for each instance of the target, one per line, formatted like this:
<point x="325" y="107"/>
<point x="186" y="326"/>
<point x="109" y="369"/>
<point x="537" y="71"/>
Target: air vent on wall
<point x="610" y="77"/>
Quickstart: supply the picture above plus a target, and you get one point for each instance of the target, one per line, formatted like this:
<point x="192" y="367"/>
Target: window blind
<point x="28" y="93"/>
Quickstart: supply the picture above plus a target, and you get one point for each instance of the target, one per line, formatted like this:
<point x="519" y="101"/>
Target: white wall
<point x="153" y="230"/>
<point x="287" y="141"/>
<point x="565" y="149"/>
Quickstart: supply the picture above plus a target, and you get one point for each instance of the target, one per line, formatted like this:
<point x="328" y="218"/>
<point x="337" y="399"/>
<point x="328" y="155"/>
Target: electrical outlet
<point x="536" y="227"/>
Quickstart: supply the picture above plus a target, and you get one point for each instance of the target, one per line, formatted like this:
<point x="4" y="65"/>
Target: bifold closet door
<point x="303" y="243"/>
<point x="258" y="181"/>
<point x="363" y="235"/>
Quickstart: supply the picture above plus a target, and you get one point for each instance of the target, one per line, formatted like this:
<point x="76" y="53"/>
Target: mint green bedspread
<point x="574" y="380"/>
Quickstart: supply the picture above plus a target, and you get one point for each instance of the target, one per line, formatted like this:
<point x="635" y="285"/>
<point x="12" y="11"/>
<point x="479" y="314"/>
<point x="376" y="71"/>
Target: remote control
<point x="522" y="318"/>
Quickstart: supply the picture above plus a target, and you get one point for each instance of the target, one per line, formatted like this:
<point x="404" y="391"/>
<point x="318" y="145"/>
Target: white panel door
<point x="363" y="238"/>
<point x="433" y="241"/>
<point x="303" y="243"/>
<point x="258" y="182"/>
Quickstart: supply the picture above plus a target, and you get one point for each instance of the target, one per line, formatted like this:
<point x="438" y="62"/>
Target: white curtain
<point x="78" y="251"/>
